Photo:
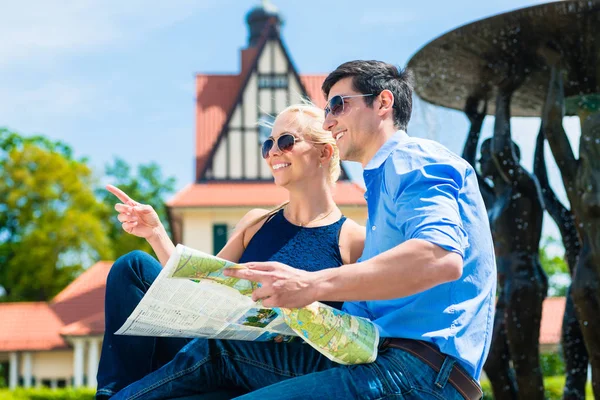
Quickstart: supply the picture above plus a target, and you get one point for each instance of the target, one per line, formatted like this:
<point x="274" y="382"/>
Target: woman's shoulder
<point x="252" y="222"/>
<point x="255" y="213"/>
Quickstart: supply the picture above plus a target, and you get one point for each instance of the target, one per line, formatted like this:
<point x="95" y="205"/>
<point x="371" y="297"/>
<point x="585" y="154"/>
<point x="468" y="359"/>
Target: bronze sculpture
<point x="497" y="366"/>
<point x="573" y="346"/>
<point x="581" y="178"/>
<point x="470" y="60"/>
<point x="515" y="214"/>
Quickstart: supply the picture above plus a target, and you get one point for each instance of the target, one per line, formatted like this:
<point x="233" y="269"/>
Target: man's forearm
<point x="407" y="269"/>
<point x="162" y="245"/>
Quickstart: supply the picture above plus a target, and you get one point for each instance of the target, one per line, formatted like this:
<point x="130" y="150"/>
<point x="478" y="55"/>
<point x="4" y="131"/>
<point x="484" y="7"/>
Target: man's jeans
<point x="269" y="370"/>
<point x="290" y="371"/>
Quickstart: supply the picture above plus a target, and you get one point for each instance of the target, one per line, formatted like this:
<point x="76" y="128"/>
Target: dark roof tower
<point x="258" y="17"/>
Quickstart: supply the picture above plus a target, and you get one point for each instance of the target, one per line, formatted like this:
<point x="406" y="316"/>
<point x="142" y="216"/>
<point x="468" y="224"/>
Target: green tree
<point x="50" y="220"/>
<point x="556" y="268"/>
<point x="3" y="375"/>
<point x="148" y="186"/>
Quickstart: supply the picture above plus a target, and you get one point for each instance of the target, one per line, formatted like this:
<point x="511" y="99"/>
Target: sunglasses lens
<point x="266" y="148"/>
<point x="286" y="142"/>
<point x="336" y="104"/>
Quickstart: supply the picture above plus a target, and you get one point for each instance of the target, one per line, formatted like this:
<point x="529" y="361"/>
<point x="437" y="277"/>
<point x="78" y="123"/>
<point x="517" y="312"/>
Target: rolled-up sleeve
<point x="427" y="206"/>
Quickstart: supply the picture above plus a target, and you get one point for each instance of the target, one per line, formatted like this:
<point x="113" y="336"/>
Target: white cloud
<point x="34" y="29"/>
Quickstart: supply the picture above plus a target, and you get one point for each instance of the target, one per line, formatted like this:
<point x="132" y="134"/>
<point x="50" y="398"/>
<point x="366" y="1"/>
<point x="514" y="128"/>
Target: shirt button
<point x="373" y="227"/>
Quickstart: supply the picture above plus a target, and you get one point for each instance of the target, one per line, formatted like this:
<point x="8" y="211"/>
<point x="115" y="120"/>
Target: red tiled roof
<point x="312" y="84"/>
<point x="253" y="194"/>
<point x="552" y="315"/>
<point x="93" y="278"/>
<point x="77" y="310"/>
<point x="215" y="95"/>
<point x="84" y="296"/>
<point x="29" y="326"/>
<point x="93" y="325"/>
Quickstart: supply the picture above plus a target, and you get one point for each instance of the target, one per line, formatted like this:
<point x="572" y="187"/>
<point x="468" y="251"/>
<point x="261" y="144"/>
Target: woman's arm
<point x="352" y="241"/>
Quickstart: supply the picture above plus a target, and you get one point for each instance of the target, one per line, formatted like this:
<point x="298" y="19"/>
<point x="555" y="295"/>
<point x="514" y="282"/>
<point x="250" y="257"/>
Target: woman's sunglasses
<point x="335" y="105"/>
<point x="285" y="143"/>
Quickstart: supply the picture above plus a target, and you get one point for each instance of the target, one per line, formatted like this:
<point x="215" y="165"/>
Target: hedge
<point x="47" y="394"/>
<point x="554" y="386"/>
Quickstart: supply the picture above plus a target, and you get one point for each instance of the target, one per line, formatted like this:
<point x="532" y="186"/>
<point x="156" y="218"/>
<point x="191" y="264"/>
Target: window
<point x="219" y="237"/>
<point x="272" y="82"/>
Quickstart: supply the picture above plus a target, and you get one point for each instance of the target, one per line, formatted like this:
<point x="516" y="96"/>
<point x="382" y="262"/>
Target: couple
<point x="426" y="273"/>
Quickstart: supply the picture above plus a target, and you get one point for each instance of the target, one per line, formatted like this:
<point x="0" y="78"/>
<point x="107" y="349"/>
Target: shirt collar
<point x="384" y="151"/>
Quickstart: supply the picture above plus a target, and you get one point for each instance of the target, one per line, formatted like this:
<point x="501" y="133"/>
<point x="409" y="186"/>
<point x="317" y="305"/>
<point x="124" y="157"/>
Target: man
<point x="427" y="275"/>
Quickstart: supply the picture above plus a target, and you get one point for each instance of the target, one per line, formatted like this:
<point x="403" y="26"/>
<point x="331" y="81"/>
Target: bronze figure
<point x="497" y="366"/>
<point x="573" y="346"/>
<point x="581" y="178"/>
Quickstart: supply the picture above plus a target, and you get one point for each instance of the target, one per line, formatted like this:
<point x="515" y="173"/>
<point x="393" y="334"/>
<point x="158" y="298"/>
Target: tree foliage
<point x="51" y="224"/>
<point x="556" y="268"/>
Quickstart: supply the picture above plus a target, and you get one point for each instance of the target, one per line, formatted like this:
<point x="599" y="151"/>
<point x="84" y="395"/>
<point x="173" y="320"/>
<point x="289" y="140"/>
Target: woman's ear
<point x="326" y="153"/>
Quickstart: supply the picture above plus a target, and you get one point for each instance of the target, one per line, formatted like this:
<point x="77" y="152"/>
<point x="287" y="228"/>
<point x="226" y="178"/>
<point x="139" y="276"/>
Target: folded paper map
<point x="193" y="298"/>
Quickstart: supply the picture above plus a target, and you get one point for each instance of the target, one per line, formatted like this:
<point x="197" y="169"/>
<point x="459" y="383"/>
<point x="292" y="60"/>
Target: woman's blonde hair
<point x="309" y="119"/>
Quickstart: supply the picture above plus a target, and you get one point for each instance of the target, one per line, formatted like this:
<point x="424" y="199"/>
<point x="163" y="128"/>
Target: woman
<point x="309" y="232"/>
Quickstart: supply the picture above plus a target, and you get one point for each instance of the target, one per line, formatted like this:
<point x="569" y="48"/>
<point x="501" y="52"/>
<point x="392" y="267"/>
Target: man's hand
<point x="281" y="285"/>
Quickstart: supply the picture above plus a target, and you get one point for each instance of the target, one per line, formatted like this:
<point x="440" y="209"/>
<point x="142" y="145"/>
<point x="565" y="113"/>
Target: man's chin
<point x="349" y="156"/>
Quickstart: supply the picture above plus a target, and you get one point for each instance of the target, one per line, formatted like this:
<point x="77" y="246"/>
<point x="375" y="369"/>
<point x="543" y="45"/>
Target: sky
<point x="116" y="78"/>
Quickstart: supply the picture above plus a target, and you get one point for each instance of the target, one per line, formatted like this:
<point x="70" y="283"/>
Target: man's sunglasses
<point x="335" y="105"/>
<point x="285" y="143"/>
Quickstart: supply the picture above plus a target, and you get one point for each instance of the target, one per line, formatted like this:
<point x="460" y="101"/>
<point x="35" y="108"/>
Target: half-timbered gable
<point x="233" y="114"/>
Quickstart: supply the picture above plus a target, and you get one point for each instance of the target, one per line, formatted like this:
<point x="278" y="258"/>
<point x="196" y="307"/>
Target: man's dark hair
<point x="373" y="77"/>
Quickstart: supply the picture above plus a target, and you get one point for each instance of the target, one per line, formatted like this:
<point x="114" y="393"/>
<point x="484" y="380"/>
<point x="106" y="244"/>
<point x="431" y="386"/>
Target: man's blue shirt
<point x="418" y="189"/>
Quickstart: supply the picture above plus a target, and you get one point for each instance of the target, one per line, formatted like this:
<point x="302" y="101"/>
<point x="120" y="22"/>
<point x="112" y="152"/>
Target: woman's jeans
<point x="167" y="368"/>
<point x="126" y="359"/>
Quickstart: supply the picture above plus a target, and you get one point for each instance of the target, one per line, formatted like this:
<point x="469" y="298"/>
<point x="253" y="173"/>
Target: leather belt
<point x="429" y="354"/>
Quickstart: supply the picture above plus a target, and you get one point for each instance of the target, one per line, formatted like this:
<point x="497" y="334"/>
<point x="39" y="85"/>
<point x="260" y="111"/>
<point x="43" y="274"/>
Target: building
<point x="57" y="343"/>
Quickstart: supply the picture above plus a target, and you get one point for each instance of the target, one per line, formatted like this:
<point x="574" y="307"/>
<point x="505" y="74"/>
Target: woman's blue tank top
<point x="310" y="249"/>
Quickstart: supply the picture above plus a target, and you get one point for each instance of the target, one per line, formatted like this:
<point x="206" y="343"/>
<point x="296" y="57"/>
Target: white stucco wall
<point x="52" y="364"/>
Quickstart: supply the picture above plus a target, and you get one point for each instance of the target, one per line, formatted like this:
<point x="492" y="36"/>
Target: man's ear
<point x="386" y="102"/>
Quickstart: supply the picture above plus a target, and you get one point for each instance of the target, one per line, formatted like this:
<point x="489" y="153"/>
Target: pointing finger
<point x="120" y="194"/>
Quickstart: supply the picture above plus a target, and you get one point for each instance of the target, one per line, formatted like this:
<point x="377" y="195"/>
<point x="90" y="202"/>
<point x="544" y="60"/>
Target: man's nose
<point x="329" y="122"/>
